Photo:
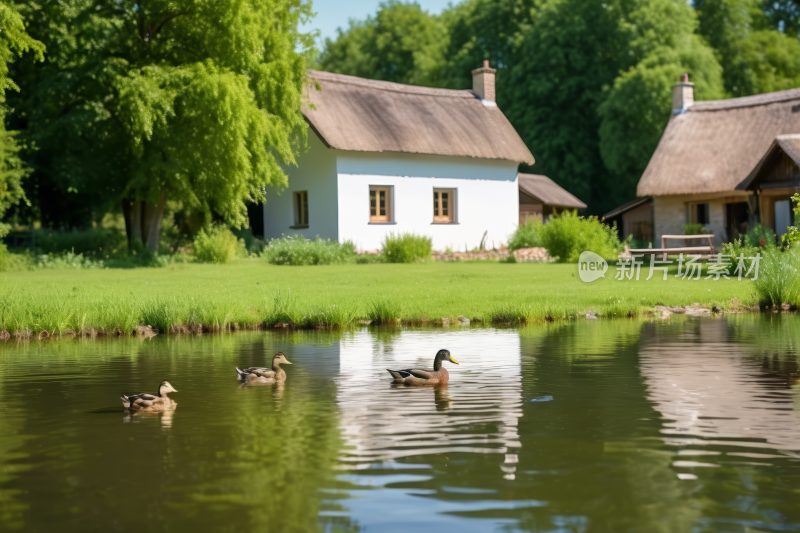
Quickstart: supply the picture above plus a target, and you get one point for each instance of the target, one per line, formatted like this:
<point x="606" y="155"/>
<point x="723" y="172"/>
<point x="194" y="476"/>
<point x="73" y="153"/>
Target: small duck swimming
<point x="264" y="376"/>
<point x="420" y="376"/>
<point x="151" y="403"/>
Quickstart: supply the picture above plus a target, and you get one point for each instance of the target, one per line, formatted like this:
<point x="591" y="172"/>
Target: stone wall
<point x="523" y="255"/>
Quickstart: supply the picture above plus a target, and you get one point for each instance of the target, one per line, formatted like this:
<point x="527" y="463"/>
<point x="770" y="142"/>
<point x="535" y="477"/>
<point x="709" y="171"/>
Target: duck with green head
<point x="425" y="376"/>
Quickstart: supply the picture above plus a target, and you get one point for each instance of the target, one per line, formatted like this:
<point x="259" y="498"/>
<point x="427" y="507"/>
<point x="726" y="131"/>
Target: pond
<point x="623" y="425"/>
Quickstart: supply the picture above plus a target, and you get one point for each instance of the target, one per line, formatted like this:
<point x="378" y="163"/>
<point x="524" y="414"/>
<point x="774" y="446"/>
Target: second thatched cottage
<point x="724" y="164"/>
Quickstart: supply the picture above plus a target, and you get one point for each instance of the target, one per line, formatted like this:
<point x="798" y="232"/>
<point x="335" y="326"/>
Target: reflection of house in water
<point x="477" y="412"/>
<point x="715" y="393"/>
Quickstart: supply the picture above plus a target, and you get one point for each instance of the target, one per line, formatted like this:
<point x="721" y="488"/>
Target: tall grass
<point x="300" y="251"/>
<point x="406" y="247"/>
<point x="778" y="278"/>
<point x="251" y="294"/>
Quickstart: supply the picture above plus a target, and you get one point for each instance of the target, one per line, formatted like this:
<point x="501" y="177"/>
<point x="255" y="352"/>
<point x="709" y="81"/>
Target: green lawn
<point x="252" y="293"/>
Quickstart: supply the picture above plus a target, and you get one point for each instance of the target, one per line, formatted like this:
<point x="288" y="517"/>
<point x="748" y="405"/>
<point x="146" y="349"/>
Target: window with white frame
<point x="380" y="203"/>
<point x="444" y="206"/>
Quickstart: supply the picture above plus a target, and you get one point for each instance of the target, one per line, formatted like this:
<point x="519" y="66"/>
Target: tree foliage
<point x="14" y="41"/>
<point x="756" y="57"/>
<point x="192" y="101"/>
<point x="401" y="43"/>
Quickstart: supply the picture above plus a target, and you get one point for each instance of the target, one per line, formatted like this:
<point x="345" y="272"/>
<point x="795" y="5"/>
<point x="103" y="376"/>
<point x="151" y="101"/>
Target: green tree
<point x="573" y="51"/>
<point x="638" y="105"/>
<point x="401" y="43"/>
<point x="188" y="100"/>
<point x="14" y="41"/>
<point x="754" y="58"/>
<point x="485" y="29"/>
<point x="592" y="89"/>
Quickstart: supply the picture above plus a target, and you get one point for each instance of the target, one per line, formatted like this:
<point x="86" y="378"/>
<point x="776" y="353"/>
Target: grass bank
<point x="252" y="294"/>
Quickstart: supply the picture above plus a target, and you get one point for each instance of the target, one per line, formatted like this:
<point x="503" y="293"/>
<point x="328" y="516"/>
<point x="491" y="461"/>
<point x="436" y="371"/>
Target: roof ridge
<point x="389" y="86"/>
<point x="746" y="101"/>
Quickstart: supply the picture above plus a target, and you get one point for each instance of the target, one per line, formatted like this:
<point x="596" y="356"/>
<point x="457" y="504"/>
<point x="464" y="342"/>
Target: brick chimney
<point x="483" y="82"/>
<point x="682" y="95"/>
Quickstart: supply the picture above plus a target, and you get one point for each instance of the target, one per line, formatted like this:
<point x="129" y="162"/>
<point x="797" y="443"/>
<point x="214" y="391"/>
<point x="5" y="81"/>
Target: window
<point x="444" y="206"/>
<point x="380" y="204"/>
<point x="301" y="208"/>
<point x="698" y="214"/>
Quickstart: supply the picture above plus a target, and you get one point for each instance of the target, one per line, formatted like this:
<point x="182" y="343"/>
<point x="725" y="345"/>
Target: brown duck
<point x="265" y="376"/>
<point x="426" y="376"/>
<point x="152" y="403"/>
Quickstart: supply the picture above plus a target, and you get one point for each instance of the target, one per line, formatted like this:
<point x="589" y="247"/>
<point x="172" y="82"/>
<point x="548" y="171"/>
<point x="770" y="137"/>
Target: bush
<point x="5" y="257"/>
<point x="778" y="277"/>
<point x="736" y="249"/>
<point x="528" y="235"/>
<point x="760" y="236"/>
<point x="97" y="242"/>
<point x="217" y="245"/>
<point x="695" y="229"/>
<point x="69" y="260"/>
<point x="406" y="247"/>
<point x="567" y="235"/>
<point x="301" y="251"/>
<point x="791" y="239"/>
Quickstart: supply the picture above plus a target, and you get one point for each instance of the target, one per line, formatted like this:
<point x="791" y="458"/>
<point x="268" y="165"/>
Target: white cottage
<point x="386" y="157"/>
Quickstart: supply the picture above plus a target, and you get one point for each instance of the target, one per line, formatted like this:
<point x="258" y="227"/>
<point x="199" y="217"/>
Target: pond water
<point x="683" y="425"/>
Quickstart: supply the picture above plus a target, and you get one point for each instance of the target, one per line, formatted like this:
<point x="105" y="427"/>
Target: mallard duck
<point x="427" y="376"/>
<point x="265" y="376"/>
<point x="145" y="401"/>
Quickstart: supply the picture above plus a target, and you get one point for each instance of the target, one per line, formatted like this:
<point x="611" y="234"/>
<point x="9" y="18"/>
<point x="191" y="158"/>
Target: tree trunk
<point x="143" y="221"/>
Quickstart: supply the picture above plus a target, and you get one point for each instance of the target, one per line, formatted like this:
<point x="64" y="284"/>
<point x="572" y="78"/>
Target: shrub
<point x="69" y="260"/>
<point x="94" y="241"/>
<point x="760" y="236"/>
<point x="217" y="245"/>
<point x="406" y="247"/>
<point x="5" y="257"/>
<point x="791" y="238"/>
<point x="567" y="235"/>
<point x="301" y="251"/>
<point x="778" y="277"/>
<point x="737" y="248"/>
<point x="528" y="235"/>
<point x="695" y="229"/>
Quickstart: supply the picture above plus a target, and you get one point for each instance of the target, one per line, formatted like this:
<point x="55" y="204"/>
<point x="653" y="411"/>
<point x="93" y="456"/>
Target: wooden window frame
<point x="300" y="209"/>
<point x="438" y="206"/>
<point x="692" y="213"/>
<point x="375" y="216"/>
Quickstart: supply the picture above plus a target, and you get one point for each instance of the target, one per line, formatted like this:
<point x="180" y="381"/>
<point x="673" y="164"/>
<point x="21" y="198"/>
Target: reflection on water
<point x="716" y="395"/>
<point x="677" y="426"/>
<point x="476" y="413"/>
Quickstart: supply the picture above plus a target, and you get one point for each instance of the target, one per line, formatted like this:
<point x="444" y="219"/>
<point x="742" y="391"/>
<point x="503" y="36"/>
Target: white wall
<point x="487" y="198"/>
<point x="316" y="173"/>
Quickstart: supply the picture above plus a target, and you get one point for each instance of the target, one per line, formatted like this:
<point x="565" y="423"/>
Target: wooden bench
<point x="683" y="250"/>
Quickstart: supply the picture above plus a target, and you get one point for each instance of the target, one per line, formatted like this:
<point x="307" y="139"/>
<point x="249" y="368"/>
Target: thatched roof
<point x="548" y="192"/>
<point x="714" y="146"/>
<point x="356" y="114"/>
<point x="789" y="144"/>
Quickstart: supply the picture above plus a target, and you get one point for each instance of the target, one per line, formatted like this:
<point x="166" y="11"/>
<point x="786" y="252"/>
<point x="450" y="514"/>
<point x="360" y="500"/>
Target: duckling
<point x="419" y="376"/>
<point x="151" y="403"/>
<point x="265" y="376"/>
